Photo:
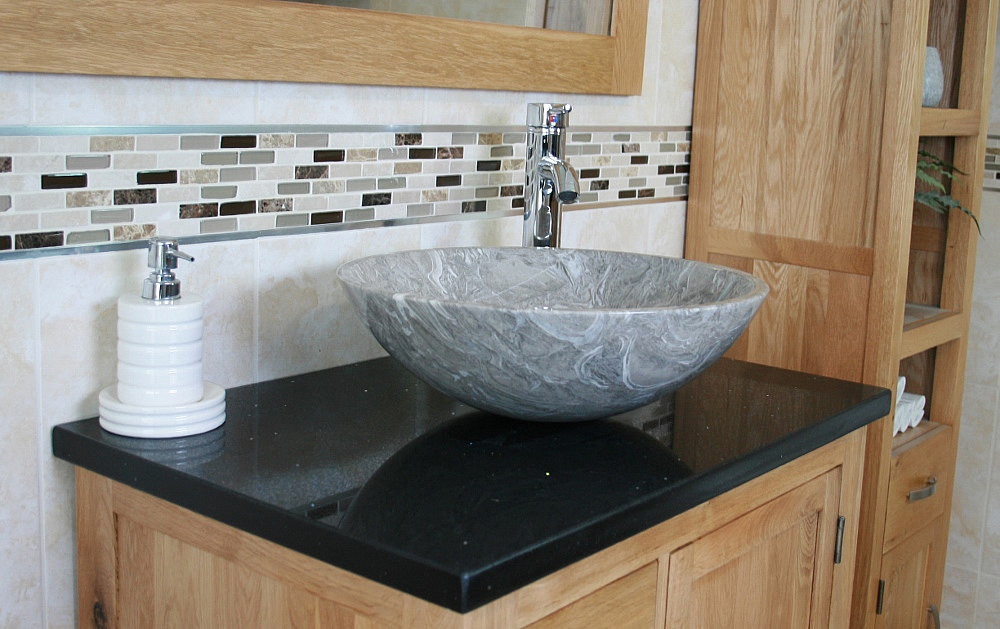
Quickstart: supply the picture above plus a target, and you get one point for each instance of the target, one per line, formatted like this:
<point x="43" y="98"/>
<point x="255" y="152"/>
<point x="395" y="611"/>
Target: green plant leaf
<point x="938" y="199"/>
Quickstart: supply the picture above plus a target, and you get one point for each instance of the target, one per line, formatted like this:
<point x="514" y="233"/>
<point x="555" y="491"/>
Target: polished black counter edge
<point x="417" y="576"/>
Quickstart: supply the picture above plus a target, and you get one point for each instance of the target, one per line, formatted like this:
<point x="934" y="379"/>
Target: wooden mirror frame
<point x="270" y="40"/>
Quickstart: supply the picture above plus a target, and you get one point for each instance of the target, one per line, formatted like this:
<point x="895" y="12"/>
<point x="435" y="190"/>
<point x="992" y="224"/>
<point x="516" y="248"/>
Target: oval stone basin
<point x="551" y="334"/>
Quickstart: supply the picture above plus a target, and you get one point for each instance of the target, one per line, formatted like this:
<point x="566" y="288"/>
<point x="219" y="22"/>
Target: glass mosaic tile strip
<point x="139" y="182"/>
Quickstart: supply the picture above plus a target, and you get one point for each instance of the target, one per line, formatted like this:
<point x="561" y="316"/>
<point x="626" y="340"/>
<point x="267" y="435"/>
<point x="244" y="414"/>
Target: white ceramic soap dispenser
<point x="160" y="390"/>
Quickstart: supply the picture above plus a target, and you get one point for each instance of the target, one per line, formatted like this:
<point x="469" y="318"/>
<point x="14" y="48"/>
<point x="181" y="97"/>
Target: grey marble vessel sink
<point x="551" y="334"/>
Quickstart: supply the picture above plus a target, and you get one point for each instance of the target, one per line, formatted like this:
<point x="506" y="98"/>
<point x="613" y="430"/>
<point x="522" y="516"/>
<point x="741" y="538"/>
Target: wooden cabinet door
<point x="911" y="585"/>
<point x="772" y="567"/>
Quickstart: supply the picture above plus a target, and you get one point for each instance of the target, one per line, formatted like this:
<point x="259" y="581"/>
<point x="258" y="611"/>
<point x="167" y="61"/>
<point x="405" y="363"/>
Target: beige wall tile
<point x="225" y="275"/>
<point x="614" y="229"/>
<point x="502" y="232"/>
<point x="21" y="576"/>
<point x="990" y="560"/>
<point x="988" y="603"/>
<point x="965" y="537"/>
<point x="306" y="322"/>
<point x="15" y="99"/>
<point x="666" y="229"/>
<point x="958" y="600"/>
<point x="62" y="99"/>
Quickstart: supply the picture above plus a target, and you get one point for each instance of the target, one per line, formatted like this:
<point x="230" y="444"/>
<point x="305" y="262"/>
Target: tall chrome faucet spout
<point x="549" y="180"/>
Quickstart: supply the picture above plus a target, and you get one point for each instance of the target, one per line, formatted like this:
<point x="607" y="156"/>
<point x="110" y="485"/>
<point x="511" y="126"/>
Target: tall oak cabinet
<point x="807" y="124"/>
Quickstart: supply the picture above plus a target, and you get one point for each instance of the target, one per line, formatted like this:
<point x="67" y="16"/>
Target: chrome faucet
<point x="549" y="180"/>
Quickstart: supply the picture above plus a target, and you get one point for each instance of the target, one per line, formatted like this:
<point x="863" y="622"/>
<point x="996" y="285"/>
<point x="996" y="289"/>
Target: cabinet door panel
<point x="772" y="567"/>
<point x="628" y="603"/>
<point x="911" y="585"/>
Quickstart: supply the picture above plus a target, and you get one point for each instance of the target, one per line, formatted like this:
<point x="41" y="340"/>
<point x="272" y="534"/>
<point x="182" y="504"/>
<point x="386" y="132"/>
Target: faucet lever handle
<point x="549" y="115"/>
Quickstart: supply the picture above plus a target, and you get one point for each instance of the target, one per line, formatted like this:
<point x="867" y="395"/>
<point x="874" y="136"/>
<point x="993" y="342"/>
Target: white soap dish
<point x="131" y="420"/>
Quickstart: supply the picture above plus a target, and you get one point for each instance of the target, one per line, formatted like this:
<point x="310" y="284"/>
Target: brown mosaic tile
<point x="448" y="180"/>
<point x="409" y="139"/>
<point x="600" y="184"/>
<point x="326" y="218"/>
<point x="511" y="191"/>
<point x="311" y="172"/>
<point x="517" y="203"/>
<point x="626" y="194"/>
<point x="422" y="154"/>
<point x="64" y="181"/>
<point x="38" y="240"/>
<point x="134" y="232"/>
<point x="665" y="169"/>
<point x="329" y="155"/>
<point x="450" y="152"/>
<point x="265" y="206"/>
<point x="683" y="168"/>
<point x="630" y="148"/>
<point x="89" y="198"/>
<point x="376" y="198"/>
<point x="152" y="177"/>
<point x="135" y="196"/>
<point x="640" y="159"/>
<point x="590" y="173"/>
<point x="234" y="208"/>
<point x="473" y="206"/>
<point x="199" y="210"/>
<point x="488" y="165"/>
<point x="5" y="243"/>
<point x="277" y="140"/>
<point x="647" y="193"/>
<point x="238" y="142"/>
<point x="490" y="138"/>
<point x="5" y="164"/>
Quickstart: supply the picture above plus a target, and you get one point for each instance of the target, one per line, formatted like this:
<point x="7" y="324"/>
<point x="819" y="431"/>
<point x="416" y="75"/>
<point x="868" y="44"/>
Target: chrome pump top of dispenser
<point x="162" y="285"/>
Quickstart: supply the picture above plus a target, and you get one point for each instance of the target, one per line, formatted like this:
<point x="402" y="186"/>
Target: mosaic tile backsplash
<point x="62" y="189"/>
<point x="991" y="178"/>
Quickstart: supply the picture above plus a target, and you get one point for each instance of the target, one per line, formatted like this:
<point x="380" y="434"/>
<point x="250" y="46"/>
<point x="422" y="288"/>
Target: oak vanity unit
<point x="807" y="123"/>
<point x="360" y="497"/>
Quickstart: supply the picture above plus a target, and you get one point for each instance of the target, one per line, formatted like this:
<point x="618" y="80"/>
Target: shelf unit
<point x="807" y="122"/>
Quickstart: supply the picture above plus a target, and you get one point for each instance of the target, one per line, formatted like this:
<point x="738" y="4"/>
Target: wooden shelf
<point x="925" y="327"/>
<point x="913" y="436"/>
<point x="949" y="122"/>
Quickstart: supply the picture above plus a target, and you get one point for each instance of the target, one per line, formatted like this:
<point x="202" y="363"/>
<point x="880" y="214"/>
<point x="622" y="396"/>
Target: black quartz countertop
<point x="367" y="468"/>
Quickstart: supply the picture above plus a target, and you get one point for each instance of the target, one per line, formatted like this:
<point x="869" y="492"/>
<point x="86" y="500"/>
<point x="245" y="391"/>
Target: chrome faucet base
<point x="549" y="180"/>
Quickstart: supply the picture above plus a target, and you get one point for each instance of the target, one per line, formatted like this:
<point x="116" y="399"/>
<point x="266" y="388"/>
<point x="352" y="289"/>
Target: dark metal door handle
<point x="935" y="614"/>
<point x="926" y="492"/>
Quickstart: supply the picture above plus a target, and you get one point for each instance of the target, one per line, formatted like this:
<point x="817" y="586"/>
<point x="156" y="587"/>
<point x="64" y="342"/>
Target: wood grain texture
<point x="628" y="603"/>
<point x="731" y="577"/>
<point x="272" y="40"/>
<point x="788" y="107"/>
<point x="96" y="552"/>
<point x="909" y="580"/>
<point x="912" y="465"/>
